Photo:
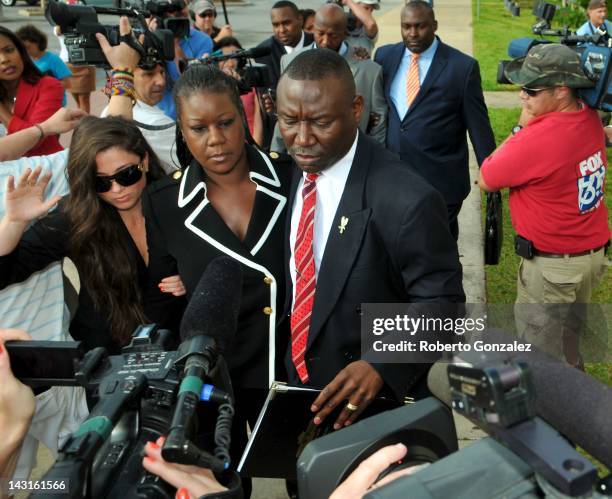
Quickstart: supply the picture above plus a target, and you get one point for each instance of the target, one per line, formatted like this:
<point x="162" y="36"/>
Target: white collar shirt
<point x="330" y="186"/>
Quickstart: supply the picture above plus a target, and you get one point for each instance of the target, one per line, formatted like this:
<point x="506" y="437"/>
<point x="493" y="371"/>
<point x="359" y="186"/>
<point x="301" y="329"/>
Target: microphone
<point x="571" y="401"/>
<point x="207" y="328"/>
<point x="252" y="53"/>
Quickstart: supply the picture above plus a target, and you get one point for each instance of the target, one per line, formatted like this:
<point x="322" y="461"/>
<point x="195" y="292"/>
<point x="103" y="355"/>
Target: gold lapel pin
<point x="343" y="223"/>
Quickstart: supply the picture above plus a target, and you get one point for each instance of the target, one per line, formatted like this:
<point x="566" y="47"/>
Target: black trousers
<point x="453" y="223"/>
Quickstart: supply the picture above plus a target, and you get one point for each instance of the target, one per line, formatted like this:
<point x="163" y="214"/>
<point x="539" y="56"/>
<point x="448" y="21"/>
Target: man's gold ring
<point x="351" y="407"/>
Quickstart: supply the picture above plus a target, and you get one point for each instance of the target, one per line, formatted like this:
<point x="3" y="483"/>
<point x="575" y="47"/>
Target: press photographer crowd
<point x="233" y="218"/>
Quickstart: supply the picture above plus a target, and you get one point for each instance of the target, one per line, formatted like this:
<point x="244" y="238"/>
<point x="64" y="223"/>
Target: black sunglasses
<point x="532" y="92"/>
<point x="126" y="177"/>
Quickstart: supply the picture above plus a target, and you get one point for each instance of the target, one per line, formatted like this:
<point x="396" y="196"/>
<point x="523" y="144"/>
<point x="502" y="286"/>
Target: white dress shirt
<point x="300" y="44"/>
<point x="330" y="186"/>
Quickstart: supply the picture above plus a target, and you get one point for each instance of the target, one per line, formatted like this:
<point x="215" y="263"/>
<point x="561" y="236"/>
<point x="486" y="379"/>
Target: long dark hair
<point x="31" y="73"/>
<point x="102" y="258"/>
<point x="204" y="78"/>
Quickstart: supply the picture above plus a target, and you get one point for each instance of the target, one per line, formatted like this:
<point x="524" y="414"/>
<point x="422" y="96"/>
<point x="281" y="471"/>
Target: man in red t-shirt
<point x="555" y="166"/>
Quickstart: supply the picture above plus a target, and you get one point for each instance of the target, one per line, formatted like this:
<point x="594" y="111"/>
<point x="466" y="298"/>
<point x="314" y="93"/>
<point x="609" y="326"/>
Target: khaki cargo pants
<point x="552" y="294"/>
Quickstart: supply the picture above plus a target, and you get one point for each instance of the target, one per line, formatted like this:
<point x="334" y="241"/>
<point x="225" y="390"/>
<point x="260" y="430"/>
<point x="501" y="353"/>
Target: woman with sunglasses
<point x="99" y="226"/>
<point x="27" y="98"/>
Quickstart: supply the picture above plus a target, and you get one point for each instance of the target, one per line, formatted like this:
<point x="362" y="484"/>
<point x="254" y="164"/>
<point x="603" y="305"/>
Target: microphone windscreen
<point x="256" y="52"/>
<point x="575" y="404"/>
<point x="215" y="303"/>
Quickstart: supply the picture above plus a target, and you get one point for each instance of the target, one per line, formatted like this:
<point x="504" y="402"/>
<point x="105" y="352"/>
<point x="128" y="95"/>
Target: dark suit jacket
<point x="185" y="233"/>
<point x="277" y="51"/>
<point x="396" y="248"/>
<point x="432" y="135"/>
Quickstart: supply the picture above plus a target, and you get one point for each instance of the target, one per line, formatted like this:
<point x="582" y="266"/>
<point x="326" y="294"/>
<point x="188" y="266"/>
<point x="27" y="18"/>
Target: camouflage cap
<point x="548" y="65"/>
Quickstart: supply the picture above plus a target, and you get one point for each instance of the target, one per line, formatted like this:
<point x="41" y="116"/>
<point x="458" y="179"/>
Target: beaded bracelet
<point x="42" y="133"/>
<point x="121" y="82"/>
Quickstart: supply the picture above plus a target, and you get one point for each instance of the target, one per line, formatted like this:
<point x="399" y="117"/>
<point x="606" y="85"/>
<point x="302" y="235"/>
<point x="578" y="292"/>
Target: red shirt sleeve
<point x="42" y="100"/>
<point x="515" y="163"/>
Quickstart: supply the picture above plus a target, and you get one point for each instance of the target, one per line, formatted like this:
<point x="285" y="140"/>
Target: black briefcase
<point x="494" y="228"/>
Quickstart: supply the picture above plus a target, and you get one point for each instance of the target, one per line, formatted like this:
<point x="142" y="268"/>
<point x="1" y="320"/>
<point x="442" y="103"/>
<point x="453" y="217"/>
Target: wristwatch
<point x="516" y="129"/>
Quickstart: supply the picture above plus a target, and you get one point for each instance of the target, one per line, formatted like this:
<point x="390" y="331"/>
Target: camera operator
<point x="234" y="68"/>
<point x="555" y="165"/>
<point x="194" y="46"/>
<point x="597" y="12"/>
<point x="149" y="86"/>
<point x="16" y="407"/>
<point x="363" y="32"/>
<point x="204" y="15"/>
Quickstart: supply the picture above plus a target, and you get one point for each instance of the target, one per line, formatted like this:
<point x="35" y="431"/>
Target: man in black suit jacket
<point x="288" y="36"/>
<point x="379" y="235"/>
<point x="430" y="132"/>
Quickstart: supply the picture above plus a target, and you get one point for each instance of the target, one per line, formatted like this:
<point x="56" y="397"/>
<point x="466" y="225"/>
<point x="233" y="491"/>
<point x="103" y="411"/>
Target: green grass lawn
<point x="493" y="31"/>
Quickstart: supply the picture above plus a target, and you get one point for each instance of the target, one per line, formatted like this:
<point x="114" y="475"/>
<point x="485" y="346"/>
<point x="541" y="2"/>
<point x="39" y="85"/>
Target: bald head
<point x="330" y="28"/>
<point x="424" y="7"/>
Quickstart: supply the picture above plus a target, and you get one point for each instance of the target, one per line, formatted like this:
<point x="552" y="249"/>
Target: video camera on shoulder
<point x="594" y="51"/>
<point x="251" y="75"/>
<point x="79" y="25"/>
<point x="160" y="10"/>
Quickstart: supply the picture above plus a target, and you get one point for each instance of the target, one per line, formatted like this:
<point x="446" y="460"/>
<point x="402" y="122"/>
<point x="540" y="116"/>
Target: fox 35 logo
<point x="591" y="182"/>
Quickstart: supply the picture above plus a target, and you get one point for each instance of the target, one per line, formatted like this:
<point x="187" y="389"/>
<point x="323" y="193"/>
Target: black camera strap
<point x="154" y="128"/>
<point x="132" y="42"/>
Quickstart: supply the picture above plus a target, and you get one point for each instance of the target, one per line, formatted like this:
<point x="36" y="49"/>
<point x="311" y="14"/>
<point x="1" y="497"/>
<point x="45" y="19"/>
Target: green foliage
<point x="573" y="16"/>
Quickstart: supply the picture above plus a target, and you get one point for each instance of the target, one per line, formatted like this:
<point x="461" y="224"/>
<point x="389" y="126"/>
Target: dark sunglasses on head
<point x="126" y="177"/>
<point x="532" y="92"/>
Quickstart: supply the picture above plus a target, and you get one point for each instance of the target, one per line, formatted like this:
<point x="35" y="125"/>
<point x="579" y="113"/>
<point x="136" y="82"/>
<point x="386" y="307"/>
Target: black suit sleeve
<point x="162" y="308"/>
<point x="427" y="258"/>
<point x="475" y="116"/>
<point x="42" y="244"/>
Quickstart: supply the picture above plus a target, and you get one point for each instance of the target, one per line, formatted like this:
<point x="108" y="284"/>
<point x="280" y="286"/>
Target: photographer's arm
<point x="17" y="144"/>
<point x="16" y="407"/>
<point x="121" y="58"/>
<point x="365" y="16"/>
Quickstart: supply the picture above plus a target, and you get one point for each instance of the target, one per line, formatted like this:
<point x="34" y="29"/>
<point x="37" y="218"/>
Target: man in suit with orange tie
<point x="434" y="96"/>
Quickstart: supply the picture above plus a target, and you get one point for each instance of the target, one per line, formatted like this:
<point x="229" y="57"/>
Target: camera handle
<point x="77" y="454"/>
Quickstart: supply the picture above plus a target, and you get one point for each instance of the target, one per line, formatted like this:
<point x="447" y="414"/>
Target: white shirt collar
<point x="427" y="53"/>
<point x="341" y="51"/>
<point x="299" y="45"/>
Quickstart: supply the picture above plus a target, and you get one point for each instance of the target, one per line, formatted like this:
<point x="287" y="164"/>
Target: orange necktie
<point x="412" y="83"/>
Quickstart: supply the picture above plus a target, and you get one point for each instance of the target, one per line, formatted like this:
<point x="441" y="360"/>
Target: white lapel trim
<point x="184" y="200"/>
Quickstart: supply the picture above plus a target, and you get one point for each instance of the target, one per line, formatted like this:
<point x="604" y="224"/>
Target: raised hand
<point x="121" y="56"/>
<point x="25" y="201"/>
<point x="62" y="121"/>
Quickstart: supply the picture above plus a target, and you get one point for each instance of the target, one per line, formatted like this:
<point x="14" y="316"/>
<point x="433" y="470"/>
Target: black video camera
<point x="79" y="25"/>
<point x="179" y="26"/>
<point x="527" y="457"/>
<point x="136" y="401"/>
<point x="594" y="50"/>
<point x="251" y="75"/>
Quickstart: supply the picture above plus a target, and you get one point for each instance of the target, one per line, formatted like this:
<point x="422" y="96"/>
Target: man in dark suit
<point x="288" y="36"/>
<point x="434" y="95"/>
<point x="363" y="229"/>
<point x="330" y="32"/>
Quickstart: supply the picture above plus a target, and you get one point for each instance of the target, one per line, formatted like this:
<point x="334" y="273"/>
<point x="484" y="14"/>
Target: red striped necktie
<point x="305" y="280"/>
